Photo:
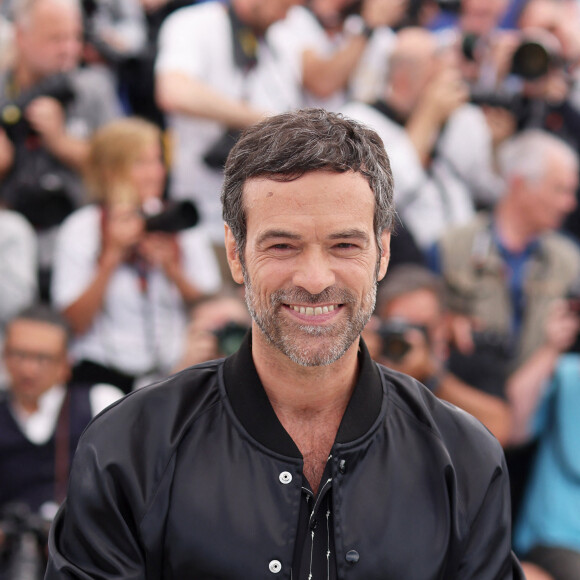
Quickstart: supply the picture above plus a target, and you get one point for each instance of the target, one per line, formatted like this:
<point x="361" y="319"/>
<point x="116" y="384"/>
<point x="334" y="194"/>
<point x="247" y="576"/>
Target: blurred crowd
<point x="116" y="117"/>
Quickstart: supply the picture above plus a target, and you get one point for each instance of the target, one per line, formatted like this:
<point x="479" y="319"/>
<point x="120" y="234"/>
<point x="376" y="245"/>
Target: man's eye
<point x="280" y="247"/>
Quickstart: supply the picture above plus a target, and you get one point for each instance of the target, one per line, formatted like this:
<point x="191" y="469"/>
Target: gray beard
<point x="286" y="337"/>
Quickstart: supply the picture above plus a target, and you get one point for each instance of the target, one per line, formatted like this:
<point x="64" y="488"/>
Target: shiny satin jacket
<point x="195" y="478"/>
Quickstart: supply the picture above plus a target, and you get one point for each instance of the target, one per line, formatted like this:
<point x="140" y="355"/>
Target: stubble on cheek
<point x="308" y="344"/>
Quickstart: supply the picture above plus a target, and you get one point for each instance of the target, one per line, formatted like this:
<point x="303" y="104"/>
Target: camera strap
<point x="244" y="43"/>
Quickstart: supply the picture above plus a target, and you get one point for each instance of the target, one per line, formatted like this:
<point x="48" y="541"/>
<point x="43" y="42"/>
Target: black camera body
<point x="25" y="539"/>
<point x="176" y="217"/>
<point x="35" y="187"/>
<point x="531" y="61"/>
<point x="393" y="337"/>
<point x="12" y="119"/>
<point x="230" y="337"/>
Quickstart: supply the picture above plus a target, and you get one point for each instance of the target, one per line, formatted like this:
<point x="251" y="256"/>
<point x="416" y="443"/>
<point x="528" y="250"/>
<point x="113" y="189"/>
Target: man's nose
<point x="314" y="272"/>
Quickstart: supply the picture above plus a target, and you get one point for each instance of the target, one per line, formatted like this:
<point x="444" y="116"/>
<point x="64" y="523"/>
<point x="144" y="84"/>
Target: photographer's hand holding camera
<point x="217" y="327"/>
<point x="46" y="117"/>
<point x="411" y="351"/>
<point x="162" y="249"/>
<point x="126" y="267"/>
<point x="328" y="70"/>
<point x="412" y="336"/>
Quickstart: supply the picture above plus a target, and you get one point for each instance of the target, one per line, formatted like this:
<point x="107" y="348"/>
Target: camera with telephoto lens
<point x="34" y="190"/>
<point x="230" y="337"/>
<point x="530" y="61"/>
<point x="176" y="216"/>
<point x="394" y="344"/>
<point x="12" y="118"/>
<point x="25" y="536"/>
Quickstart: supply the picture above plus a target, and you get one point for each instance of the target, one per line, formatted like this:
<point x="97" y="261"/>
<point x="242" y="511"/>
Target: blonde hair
<point x="113" y="149"/>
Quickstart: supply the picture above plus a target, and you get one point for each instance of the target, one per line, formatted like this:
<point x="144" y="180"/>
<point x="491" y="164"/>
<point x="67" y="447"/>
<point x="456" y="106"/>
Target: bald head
<point x="26" y="10"/>
<point x="413" y="46"/>
<point x="48" y="37"/>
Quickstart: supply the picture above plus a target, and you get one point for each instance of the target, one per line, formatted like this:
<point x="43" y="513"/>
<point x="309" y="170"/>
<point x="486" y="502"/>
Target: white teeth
<point x="309" y="311"/>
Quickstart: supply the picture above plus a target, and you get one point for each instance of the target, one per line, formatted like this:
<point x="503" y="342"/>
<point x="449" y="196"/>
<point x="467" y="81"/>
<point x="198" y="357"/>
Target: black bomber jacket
<point x="182" y="480"/>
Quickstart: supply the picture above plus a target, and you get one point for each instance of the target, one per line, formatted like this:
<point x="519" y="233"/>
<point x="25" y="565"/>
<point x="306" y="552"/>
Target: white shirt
<point x="38" y="427"/>
<point x="136" y="331"/>
<point x="431" y="201"/>
<point x="197" y="41"/>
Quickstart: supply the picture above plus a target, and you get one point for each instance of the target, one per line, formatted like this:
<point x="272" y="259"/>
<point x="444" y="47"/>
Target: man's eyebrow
<point x="353" y="233"/>
<point x="272" y="234"/>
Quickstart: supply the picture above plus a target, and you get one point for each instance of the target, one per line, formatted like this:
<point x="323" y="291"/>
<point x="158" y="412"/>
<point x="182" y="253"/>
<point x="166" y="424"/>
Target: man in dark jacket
<point x="298" y="456"/>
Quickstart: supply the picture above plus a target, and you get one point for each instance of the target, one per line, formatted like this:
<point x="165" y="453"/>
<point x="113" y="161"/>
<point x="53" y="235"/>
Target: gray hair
<point x="525" y="154"/>
<point x="406" y="278"/>
<point x="285" y="147"/>
<point x="40" y="312"/>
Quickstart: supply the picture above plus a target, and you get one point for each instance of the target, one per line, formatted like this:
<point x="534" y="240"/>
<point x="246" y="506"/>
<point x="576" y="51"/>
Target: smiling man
<point x="298" y="456"/>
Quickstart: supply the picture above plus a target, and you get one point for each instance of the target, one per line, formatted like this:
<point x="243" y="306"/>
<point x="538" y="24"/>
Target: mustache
<point x="299" y="295"/>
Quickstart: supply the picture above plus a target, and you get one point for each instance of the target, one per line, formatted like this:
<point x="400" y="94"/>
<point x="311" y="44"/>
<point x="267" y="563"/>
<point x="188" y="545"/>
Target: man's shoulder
<point x="160" y="409"/>
<point x="458" y="240"/>
<point x="463" y="437"/>
<point x="195" y="13"/>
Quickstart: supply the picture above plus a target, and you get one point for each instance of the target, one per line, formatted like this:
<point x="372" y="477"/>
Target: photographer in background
<point x="122" y="279"/>
<point x="484" y="48"/>
<point x="47" y="116"/>
<point x="410" y="336"/>
<point x="216" y="329"/>
<point x="505" y="270"/>
<point x="552" y="102"/>
<point x="42" y="416"/>
<point x="439" y="145"/>
<point x="217" y="72"/>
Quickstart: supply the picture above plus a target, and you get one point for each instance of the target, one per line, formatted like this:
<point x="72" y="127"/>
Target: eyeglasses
<point x="39" y="358"/>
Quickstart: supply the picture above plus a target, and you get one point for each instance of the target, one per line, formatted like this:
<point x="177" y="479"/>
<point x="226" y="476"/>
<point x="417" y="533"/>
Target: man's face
<point x="482" y="16"/>
<point x="548" y="201"/>
<point x="422" y="308"/>
<point x="35" y="357"/>
<point x="147" y="172"/>
<point x="50" y="41"/>
<point x="311" y="263"/>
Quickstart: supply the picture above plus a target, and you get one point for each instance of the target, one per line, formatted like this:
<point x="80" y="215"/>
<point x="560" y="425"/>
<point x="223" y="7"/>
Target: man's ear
<point x="233" y="256"/>
<point x="385" y="254"/>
